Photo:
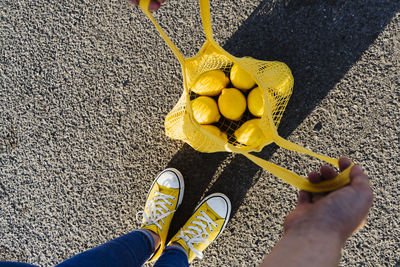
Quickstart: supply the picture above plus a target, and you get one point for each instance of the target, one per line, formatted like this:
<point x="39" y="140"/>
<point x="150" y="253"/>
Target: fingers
<point x="360" y="182"/>
<point x="153" y="6"/>
<point x="314" y="177"/>
<point x="304" y="197"/>
<point x="327" y="173"/>
<point x="344" y="163"/>
<point x="356" y="172"/>
<point x="358" y="178"/>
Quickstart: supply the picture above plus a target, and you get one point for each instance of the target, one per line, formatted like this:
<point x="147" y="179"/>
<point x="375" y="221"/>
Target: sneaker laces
<point x="157" y="210"/>
<point x="198" y="231"/>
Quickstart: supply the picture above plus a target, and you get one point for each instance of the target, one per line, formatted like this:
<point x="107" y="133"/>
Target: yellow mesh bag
<point x="276" y="81"/>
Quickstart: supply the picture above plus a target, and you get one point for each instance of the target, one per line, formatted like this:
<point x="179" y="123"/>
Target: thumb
<point x="360" y="182"/>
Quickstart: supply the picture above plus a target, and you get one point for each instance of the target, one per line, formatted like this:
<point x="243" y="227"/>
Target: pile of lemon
<point x="217" y="95"/>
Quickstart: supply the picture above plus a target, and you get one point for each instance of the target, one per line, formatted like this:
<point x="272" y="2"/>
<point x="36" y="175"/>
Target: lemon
<point x="250" y="133"/>
<point x="240" y="78"/>
<point x="224" y="136"/>
<point x="279" y="78"/>
<point x="205" y="110"/>
<point x="216" y="131"/>
<point x="256" y="104"/>
<point x="212" y="129"/>
<point x="232" y="104"/>
<point x="210" y="83"/>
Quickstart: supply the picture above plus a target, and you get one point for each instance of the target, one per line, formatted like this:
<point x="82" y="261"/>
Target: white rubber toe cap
<point x="169" y="179"/>
<point x="219" y="205"/>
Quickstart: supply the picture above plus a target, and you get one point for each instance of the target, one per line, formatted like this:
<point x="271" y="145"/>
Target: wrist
<point x="321" y="228"/>
<point x="315" y="237"/>
<point x="306" y="247"/>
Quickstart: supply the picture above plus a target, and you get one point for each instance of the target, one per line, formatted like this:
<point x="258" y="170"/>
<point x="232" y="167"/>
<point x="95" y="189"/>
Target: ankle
<point x="156" y="238"/>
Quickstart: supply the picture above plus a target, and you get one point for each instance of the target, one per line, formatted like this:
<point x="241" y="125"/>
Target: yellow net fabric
<point x="276" y="81"/>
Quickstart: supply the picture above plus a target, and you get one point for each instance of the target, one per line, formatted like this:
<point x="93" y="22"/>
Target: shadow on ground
<point x="319" y="41"/>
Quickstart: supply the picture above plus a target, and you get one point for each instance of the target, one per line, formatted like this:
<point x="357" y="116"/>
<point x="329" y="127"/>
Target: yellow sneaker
<point x="204" y="226"/>
<point x="164" y="198"/>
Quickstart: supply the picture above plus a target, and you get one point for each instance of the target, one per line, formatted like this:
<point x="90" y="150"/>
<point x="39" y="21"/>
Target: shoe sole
<point x="181" y="184"/>
<point x="228" y="213"/>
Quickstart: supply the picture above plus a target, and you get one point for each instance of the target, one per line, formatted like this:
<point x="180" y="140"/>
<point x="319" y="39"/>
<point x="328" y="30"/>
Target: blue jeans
<point x="132" y="249"/>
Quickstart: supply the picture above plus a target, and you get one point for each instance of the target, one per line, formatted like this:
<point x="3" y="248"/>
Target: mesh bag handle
<point x="205" y="18"/>
<point x="289" y="177"/>
<point x="144" y="5"/>
<point x="294" y="179"/>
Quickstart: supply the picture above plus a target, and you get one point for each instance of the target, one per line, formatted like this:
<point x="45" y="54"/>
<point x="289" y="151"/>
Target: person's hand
<point x="154" y="4"/>
<point x="340" y="212"/>
<point x="316" y="230"/>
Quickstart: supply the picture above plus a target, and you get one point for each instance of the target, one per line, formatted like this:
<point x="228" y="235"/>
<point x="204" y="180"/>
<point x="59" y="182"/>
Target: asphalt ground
<point x="85" y="86"/>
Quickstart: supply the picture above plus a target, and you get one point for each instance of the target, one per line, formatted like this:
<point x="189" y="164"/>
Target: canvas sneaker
<point x="204" y="226"/>
<point x="163" y="199"/>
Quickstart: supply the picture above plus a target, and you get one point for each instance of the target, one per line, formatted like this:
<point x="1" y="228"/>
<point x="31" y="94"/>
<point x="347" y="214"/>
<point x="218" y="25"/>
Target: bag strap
<point x="300" y="182"/>
<point x="282" y="142"/>
<point x="144" y="5"/>
<point x="296" y="180"/>
<point x="205" y="17"/>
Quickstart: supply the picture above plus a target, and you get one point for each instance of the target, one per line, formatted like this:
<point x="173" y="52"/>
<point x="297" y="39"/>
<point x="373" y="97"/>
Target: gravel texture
<point x="85" y="86"/>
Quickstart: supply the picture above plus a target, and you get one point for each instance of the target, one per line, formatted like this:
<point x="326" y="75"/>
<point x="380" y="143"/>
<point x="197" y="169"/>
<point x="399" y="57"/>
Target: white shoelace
<point x="157" y="209"/>
<point x="198" y="232"/>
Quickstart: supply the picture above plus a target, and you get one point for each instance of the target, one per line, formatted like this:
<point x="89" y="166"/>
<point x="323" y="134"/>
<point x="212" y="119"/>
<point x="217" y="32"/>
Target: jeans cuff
<point x="177" y="248"/>
<point x="148" y="236"/>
